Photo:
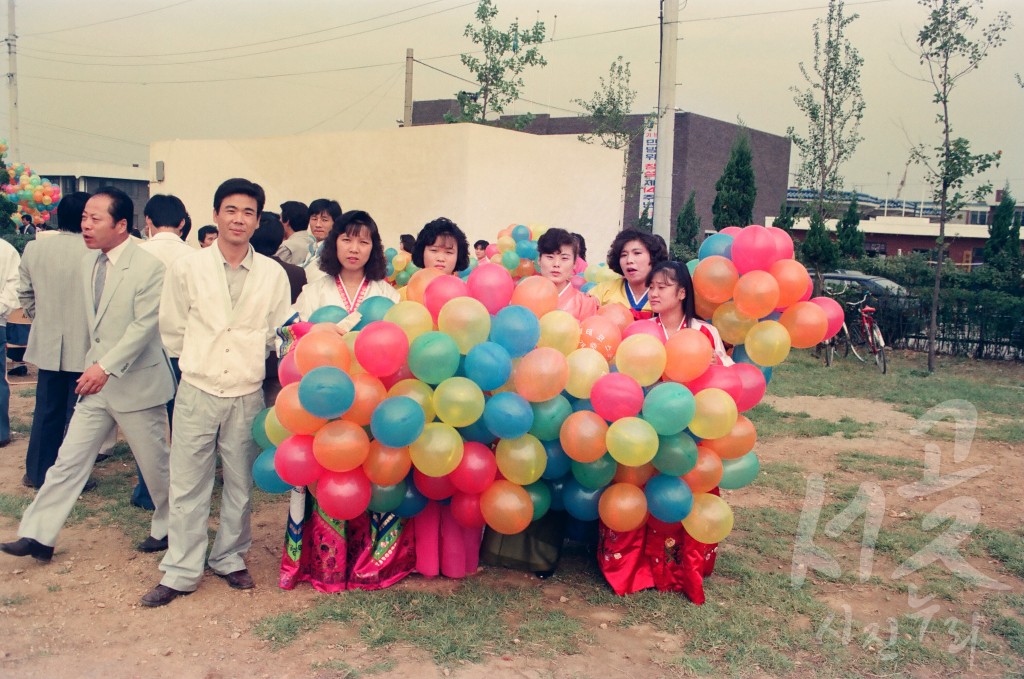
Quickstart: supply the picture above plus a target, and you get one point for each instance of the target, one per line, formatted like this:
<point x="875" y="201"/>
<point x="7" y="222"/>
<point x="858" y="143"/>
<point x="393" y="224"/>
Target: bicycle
<point x="867" y="336"/>
<point x="837" y="344"/>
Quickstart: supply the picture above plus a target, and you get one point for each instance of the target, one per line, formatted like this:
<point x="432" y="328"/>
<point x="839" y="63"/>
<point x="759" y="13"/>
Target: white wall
<point x="481" y="177"/>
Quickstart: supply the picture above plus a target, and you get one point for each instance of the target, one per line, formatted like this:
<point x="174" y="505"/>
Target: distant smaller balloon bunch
<point x="32" y="194"/>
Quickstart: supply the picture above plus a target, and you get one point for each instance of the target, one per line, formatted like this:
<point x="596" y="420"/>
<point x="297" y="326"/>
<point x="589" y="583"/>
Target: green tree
<point x="609" y="108"/>
<point x="736" y="188"/>
<point x="818" y="250"/>
<point x="850" y="238"/>
<point x="951" y="47"/>
<point x="785" y="220"/>
<point x="833" y="105"/>
<point x="684" y="241"/>
<point x="644" y="222"/>
<point x="506" y="54"/>
<point x="998" y="245"/>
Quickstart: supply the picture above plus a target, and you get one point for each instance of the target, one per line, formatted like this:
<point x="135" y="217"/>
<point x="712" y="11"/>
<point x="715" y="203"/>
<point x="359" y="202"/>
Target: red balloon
<point x="752" y="386"/>
<point x="810" y="291"/>
<point x="730" y="230"/>
<point x="644" y="327"/>
<point x="753" y="248"/>
<point x="344" y="495"/>
<point x="440" y="291"/>
<point x="466" y="510"/>
<point x="783" y="242"/>
<point x="491" y="250"/>
<point x="295" y="462"/>
<point x="394" y="378"/>
<point x="833" y="312"/>
<point x="286" y="370"/>
<point x="616" y="395"/>
<point x="492" y="286"/>
<point x="718" y="377"/>
<point x="477" y="469"/>
<point x="433" y="487"/>
<point x="382" y="347"/>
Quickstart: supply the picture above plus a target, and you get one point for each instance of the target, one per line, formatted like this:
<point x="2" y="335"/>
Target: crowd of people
<point x="176" y="346"/>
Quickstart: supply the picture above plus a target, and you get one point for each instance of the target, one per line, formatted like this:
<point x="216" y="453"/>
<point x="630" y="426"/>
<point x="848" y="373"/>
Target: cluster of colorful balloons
<point x="32" y="194"/>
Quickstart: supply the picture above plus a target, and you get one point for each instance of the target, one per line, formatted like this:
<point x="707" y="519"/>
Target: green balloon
<point x="668" y="408"/>
<point x="433" y="357"/>
<point x="739" y="472"/>
<point x="596" y="474"/>
<point x="677" y="454"/>
<point x="540" y="493"/>
<point x="548" y="417"/>
<point x="259" y="431"/>
<point x="403" y="276"/>
<point x="692" y="264"/>
<point x="386" y="498"/>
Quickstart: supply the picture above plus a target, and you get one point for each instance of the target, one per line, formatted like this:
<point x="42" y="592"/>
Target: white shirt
<point x="9" y="262"/>
<point x="295" y="248"/>
<point x="222" y="348"/>
<point x="112" y="256"/>
<point x="324" y="292"/>
<point x="167" y="247"/>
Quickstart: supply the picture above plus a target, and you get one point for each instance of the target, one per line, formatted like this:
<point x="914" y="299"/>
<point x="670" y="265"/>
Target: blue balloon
<point x="515" y="328"/>
<point x="390" y="270"/>
<point x="390" y="253"/>
<point x="265" y="475"/>
<point x="508" y="415"/>
<point x="716" y="244"/>
<point x="580" y="502"/>
<point x="373" y="309"/>
<point x="489" y="365"/>
<point x="520" y="232"/>
<point x="386" y="498"/>
<point x="413" y="502"/>
<point x="669" y="499"/>
<point x="326" y="392"/>
<point x="327" y="314"/>
<point x="478" y="432"/>
<point x="582" y="404"/>
<point x="588" y="286"/>
<point x="559" y="464"/>
<point x="397" y="421"/>
<point x="527" y="249"/>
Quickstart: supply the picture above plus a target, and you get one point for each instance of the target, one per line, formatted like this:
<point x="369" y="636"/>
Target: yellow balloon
<point x="768" y="343"/>
<point x="417" y="391"/>
<point x="458" y="401"/>
<point x="632" y="441"/>
<point x="438" y="450"/>
<point x="715" y="414"/>
<point x="401" y="260"/>
<point x="521" y="460"/>
<point x="586" y="365"/>
<point x="732" y="324"/>
<point x="350" y="339"/>
<point x="559" y="330"/>
<point x="710" y="520"/>
<point x="412" y="317"/>
<point x="642" y="357"/>
<point x="466" y="321"/>
<point x="506" y="243"/>
<point x="275" y="430"/>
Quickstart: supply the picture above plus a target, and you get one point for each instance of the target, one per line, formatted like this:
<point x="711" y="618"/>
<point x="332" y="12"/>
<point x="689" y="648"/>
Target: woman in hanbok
<point x="632" y="255"/>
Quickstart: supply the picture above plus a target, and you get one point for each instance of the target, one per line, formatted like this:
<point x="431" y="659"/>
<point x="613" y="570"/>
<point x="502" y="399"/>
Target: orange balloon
<point x="341" y="446"/>
<point x="806" y="323"/>
<point x="623" y="507"/>
<point x="636" y="476"/>
<point x="320" y="349"/>
<point x="600" y="333"/>
<point x="292" y="415"/>
<point x="706" y="474"/>
<point x="704" y="308"/>
<point x="386" y="466"/>
<point x="537" y="294"/>
<point x="582" y="436"/>
<point x="369" y="393"/>
<point x="525" y="269"/>
<point x="688" y="355"/>
<point x="507" y="231"/>
<point x="737" y="443"/>
<point x="323" y="327"/>
<point x="756" y="294"/>
<point x="541" y="374"/>
<point x="507" y="508"/>
<point x="618" y="313"/>
<point x="793" y="280"/>
<point x="418" y="284"/>
<point x="732" y="324"/>
<point x="714" y="278"/>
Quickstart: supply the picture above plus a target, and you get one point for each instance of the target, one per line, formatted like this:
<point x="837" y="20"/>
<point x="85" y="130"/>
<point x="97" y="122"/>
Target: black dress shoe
<point x="5" y="443"/>
<point x="28" y="547"/>
<point x="27" y="482"/>
<point x="238" y="579"/>
<point x="161" y="595"/>
<point x="89" y="485"/>
<point x="152" y="544"/>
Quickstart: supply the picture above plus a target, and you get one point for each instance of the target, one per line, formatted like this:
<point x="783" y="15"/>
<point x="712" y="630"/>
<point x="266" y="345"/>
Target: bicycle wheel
<point x="830" y="351"/>
<point x="842" y="341"/>
<point x="880" y="358"/>
<point x="858" y="341"/>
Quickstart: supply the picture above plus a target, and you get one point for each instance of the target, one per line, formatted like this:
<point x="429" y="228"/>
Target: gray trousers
<point x="146" y="433"/>
<point x="205" y="425"/>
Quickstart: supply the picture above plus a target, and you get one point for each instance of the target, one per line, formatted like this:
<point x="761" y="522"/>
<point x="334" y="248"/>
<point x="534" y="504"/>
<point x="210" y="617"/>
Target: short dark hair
<point x="165" y="210"/>
<point x="582" y="243"/>
<point x="331" y="207"/>
<point x="655" y="248"/>
<point x="408" y="242"/>
<point x="552" y="241"/>
<point x="186" y="228"/>
<point x="121" y="205"/>
<point x="268" y="236"/>
<point x="24" y="217"/>
<point x="69" y="211"/>
<point x="206" y="231"/>
<point x="442" y="227"/>
<point x="352" y="223"/>
<point x="480" y="244"/>
<point x="680" y="275"/>
<point x="241" y="186"/>
<point x="296" y="214"/>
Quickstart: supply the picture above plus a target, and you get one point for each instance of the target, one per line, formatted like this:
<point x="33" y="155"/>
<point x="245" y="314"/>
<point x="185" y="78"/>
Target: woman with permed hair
<point x="441" y="245"/>
<point x="632" y="255"/>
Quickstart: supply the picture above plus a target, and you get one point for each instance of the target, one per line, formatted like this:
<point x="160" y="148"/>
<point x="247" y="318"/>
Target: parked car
<point x="858" y="280"/>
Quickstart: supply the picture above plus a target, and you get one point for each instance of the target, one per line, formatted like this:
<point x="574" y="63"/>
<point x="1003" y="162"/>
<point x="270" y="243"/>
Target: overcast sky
<point x="99" y="80"/>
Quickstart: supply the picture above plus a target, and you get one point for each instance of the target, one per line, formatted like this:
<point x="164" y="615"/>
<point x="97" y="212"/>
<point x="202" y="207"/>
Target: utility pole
<point x="666" y="120"/>
<point x="14" y="141"/>
<point x="407" y="121"/>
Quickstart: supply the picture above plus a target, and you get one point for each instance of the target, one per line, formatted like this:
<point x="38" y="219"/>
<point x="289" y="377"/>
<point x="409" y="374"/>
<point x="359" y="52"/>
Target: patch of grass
<point x="772" y="422"/>
<point x="552" y="633"/>
<point x="1004" y="547"/>
<point x="1006" y="432"/>
<point x="785" y="477"/>
<point x="12" y="506"/>
<point x="1006" y="615"/>
<point x="21" y="426"/>
<point x="280" y="629"/>
<point x="695" y="666"/>
<point x="53" y="588"/>
<point x="883" y="467"/>
<point x="339" y="669"/>
<point x="13" y="600"/>
<point x="28" y="392"/>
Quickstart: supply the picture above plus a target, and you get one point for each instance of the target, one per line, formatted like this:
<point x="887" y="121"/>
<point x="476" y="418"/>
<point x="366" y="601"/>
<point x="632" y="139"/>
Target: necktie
<point x="101" y="278"/>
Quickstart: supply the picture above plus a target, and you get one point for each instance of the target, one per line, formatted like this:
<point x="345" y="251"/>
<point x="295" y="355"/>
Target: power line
<point x="107" y="21"/>
<point x="352" y="104"/>
<point x="473" y="82"/>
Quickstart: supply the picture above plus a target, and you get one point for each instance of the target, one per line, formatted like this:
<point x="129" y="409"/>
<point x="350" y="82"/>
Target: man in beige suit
<point x="128" y="379"/>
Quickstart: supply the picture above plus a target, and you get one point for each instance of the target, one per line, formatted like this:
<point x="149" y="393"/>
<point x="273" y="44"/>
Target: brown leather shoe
<point x="28" y="547"/>
<point x="239" y="579"/>
<point x="161" y="595"/>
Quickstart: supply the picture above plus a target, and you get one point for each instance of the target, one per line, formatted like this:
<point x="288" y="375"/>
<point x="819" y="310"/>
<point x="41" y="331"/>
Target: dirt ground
<point x="79" y="615"/>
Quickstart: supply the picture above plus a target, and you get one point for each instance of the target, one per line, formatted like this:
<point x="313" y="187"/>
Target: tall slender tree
<point x="785" y="219"/>
<point x="1000" y="251"/>
<point x="850" y="239"/>
<point x="951" y="47"/>
<point x="684" y="241"/>
<point x="736" y="188"/>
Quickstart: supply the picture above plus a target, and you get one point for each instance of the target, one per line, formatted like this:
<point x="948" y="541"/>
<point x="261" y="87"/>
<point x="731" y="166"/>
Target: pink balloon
<point x="491" y="250"/>
<point x="730" y="230"/>
<point x="295" y="463"/>
<point x="752" y="385"/>
<point x="382" y="347"/>
<point x="578" y="281"/>
<point x="344" y="495"/>
<point x="615" y="396"/>
<point x="833" y="312"/>
<point x="783" y="242"/>
<point x="442" y="290"/>
<point x="403" y="373"/>
<point x="492" y="286"/>
<point x="434" y="487"/>
<point x="581" y="266"/>
<point x="466" y="510"/>
<point x="476" y="471"/>
<point x="644" y="327"/>
<point x="286" y="370"/>
<point x="753" y="248"/>
<point x="718" y="377"/>
<point x="810" y="291"/>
